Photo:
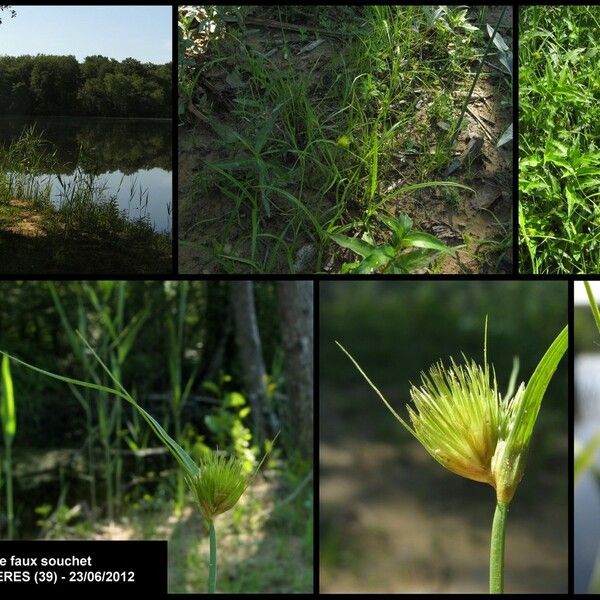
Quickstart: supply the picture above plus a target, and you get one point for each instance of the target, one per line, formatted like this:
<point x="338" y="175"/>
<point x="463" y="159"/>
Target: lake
<point x="131" y="157"/>
<point x="587" y="487"/>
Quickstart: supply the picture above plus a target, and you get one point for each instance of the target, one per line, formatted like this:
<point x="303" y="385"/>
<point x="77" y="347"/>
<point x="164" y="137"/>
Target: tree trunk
<point x="250" y="349"/>
<point x="296" y="310"/>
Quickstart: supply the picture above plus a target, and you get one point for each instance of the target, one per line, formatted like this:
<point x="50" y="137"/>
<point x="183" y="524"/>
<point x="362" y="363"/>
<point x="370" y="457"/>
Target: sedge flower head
<point x="467" y="426"/>
<point x="218" y="484"/>
<point x="464" y="423"/>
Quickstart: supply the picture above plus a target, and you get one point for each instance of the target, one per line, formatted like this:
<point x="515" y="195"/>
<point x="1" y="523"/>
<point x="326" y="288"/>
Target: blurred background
<point x="391" y="518"/>
<point x="220" y="365"/>
<point x="587" y="426"/>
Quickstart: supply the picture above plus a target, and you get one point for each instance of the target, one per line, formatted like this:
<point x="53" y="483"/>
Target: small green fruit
<point x="343" y="141"/>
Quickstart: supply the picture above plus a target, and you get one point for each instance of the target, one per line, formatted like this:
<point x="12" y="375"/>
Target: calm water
<point x="587" y="488"/>
<point x="128" y="155"/>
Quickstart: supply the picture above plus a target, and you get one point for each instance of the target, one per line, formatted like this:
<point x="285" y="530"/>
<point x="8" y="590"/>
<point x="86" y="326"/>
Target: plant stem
<point x="10" y="516"/>
<point x="593" y="304"/>
<point x="212" y="572"/>
<point x="468" y="98"/>
<point x="497" y="549"/>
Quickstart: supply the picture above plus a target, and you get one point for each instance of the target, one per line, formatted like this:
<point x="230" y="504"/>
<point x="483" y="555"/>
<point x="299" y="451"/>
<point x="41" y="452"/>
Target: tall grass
<point x="559" y="167"/>
<point x="83" y="206"/>
<point x="180" y="390"/>
<point x="116" y="337"/>
<point x="21" y="166"/>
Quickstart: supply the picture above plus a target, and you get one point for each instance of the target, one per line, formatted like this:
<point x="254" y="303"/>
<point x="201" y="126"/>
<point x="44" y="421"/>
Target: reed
<point x="179" y="391"/>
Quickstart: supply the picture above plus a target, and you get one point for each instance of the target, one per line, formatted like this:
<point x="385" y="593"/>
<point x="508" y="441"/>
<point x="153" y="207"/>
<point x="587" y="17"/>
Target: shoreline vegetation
<point x="85" y="232"/>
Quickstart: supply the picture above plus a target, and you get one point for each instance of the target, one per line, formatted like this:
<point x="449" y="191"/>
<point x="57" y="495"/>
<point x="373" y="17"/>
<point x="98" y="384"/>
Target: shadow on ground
<point x="393" y="521"/>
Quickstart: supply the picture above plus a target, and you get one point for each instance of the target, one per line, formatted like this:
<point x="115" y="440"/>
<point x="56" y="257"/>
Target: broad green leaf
<point x="556" y="159"/>
<point x="408" y="262"/>
<point x="419" y="239"/>
<point x="361" y="248"/>
<point x="7" y="402"/>
<point x="399" y="225"/>
<point x="379" y="258"/>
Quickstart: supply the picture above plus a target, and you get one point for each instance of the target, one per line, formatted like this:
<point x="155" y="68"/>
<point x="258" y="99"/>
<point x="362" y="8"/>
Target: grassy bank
<point x="329" y="139"/>
<point x="85" y="233"/>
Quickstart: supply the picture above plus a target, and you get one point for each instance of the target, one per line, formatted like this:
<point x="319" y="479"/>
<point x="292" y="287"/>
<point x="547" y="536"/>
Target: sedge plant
<point x="467" y="426"/>
<point x="216" y="482"/>
<point x="115" y="340"/>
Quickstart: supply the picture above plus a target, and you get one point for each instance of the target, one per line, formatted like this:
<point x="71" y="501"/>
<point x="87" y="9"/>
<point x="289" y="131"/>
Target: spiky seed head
<point x="218" y="484"/>
<point x="455" y="416"/>
<point x="468" y="427"/>
<point x="465" y="424"/>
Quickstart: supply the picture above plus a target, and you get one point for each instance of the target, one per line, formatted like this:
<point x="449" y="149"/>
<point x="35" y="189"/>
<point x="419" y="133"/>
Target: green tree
<point x="13" y="13"/>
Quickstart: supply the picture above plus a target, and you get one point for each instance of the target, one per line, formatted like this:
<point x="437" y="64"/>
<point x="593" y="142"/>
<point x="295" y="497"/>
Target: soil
<point x="31" y="242"/>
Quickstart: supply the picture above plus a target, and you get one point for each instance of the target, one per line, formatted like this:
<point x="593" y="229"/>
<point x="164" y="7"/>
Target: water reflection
<point x="128" y="154"/>
<point x="587" y="488"/>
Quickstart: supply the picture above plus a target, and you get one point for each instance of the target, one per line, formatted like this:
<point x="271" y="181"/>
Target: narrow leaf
<point x="536" y="388"/>
<point x="7" y="401"/>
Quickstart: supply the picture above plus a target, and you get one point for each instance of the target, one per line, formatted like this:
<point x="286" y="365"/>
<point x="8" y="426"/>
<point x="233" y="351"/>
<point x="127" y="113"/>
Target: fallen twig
<point x="272" y="24"/>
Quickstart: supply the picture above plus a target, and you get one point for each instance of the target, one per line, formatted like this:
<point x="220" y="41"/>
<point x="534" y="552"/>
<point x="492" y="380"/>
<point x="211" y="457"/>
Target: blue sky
<point x="142" y="32"/>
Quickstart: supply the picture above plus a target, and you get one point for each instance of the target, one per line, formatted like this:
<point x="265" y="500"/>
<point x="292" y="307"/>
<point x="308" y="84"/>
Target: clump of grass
<point x="559" y="166"/>
<point x="22" y="163"/>
<point x="467" y="426"/>
<point x="310" y="143"/>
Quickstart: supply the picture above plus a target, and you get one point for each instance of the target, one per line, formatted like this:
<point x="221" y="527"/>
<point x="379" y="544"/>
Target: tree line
<point x="99" y="87"/>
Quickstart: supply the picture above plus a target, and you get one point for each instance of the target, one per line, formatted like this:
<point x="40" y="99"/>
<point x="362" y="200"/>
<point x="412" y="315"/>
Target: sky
<point x="141" y="32"/>
<point x="580" y="297"/>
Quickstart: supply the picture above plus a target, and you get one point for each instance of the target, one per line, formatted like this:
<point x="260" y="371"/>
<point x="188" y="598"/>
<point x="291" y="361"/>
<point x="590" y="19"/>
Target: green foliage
<point x="393" y="257"/>
<point x="306" y="143"/>
<point x="559" y="167"/>
<point x="8" y="414"/>
<point x="100" y="86"/>
<point x="8" y="417"/>
<point x="226" y="422"/>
